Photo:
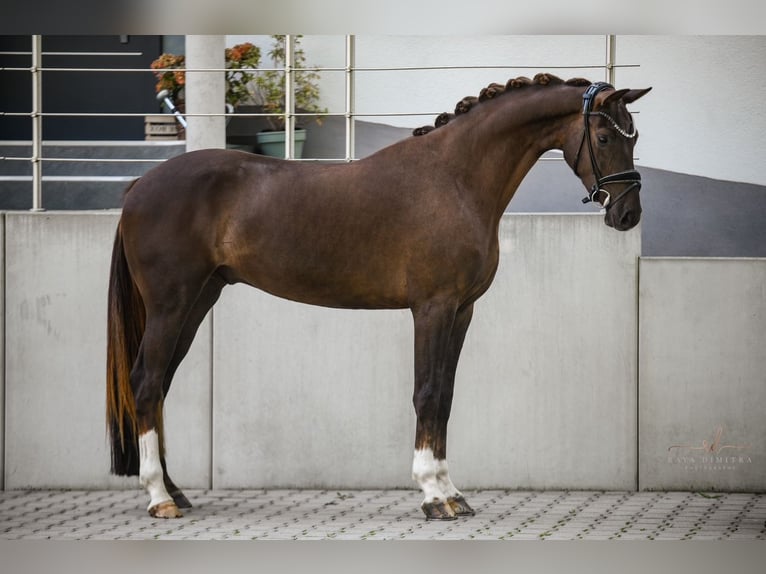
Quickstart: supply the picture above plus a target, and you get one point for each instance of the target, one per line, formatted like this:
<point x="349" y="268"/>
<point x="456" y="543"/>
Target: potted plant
<point x="264" y="89"/>
<point x="169" y="77"/>
<point x="270" y="95"/>
<point x="240" y="60"/>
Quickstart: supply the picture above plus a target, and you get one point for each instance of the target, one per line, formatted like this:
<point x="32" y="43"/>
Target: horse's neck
<point x="499" y="146"/>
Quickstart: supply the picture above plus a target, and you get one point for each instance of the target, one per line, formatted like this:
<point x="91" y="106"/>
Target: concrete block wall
<point x="310" y="397"/>
<point x="546" y="390"/>
<point x="2" y="351"/>
<point x="56" y="277"/>
<point x="276" y="393"/>
<point x="56" y="272"/>
<point x="703" y="374"/>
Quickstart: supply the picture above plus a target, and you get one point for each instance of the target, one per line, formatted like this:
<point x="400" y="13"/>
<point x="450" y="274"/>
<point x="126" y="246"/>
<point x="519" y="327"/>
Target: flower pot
<point x="273" y="143"/>
<point x="242" y="130"/>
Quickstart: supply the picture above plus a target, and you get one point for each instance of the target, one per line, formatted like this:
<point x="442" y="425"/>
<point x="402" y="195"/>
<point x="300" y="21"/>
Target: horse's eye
<point x="602" y="139"/>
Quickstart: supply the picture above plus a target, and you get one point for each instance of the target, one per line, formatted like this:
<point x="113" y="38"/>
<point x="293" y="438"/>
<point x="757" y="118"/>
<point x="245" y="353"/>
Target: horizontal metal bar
<point x="103" y="160"/>
<point x="157" y="71"/>
<point x="87" y="160"/>
<point x="70" y="177"/>
<point x="91" y="143"/>
<point x="211" y="115"/>
<point x="225" y="115"/>
<point x="325" y="69"/>
<point x="74" y="53"/>
<point x="450" y="67"/>
<point x="498" y="67"/>
<point x="113" y="160"/>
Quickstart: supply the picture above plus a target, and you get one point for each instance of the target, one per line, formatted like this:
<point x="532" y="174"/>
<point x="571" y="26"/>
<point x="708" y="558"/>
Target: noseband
<point x="631" y="176"/>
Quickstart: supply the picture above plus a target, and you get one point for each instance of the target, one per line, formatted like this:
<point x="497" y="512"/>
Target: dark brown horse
<point x="414" y="225"/>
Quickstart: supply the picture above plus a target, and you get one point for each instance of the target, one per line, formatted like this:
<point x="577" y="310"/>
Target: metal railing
<point x="350" y="70"/>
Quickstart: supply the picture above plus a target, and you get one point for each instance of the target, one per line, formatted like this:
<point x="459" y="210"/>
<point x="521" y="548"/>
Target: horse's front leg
<point x="434" y="376"/>
<point x="455" y="498"/>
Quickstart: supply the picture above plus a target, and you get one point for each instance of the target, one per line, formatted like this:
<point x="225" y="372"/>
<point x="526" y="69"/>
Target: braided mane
<point x="492" y="91"/>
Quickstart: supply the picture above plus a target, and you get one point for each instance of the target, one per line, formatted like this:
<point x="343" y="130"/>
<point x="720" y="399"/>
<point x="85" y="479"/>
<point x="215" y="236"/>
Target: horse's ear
<point x="626" y="95"/>
<point x="614" y="97"/>
<point x="633" y="95"/>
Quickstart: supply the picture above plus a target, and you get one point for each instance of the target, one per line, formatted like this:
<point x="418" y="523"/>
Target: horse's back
<point x="190" y="178"/>
<point x="301" y="231"/>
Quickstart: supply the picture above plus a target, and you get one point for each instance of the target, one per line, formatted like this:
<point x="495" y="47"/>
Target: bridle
<point x="631" y="177"/>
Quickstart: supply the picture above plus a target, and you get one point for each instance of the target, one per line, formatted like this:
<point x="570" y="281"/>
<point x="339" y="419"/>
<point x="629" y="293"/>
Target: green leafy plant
<point x="270" y="84"/>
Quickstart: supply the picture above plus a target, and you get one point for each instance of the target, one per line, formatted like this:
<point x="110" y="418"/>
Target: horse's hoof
<point x="460" y="506"/>
<point x="438" y="510"/>
<point x="167" y="509"/>
<point x="180" y="499"/>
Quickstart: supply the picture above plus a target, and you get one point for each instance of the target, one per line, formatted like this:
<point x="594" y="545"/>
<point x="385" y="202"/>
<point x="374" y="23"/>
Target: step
<point x="122" y="158"/>
<point x="64" y="192"/>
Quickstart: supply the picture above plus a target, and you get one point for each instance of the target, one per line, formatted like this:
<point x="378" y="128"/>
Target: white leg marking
<point x="445" y="483"/>
<point x="150" y="469"/>
<point x="424" y="469"/>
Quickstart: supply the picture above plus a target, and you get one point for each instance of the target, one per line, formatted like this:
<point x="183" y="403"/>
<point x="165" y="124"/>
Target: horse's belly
<point x="330" y="280"/>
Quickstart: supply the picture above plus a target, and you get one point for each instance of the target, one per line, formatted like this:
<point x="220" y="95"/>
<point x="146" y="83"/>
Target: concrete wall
<point x="205" y="92"/>
<point x="2" y="350"/>
<point x="703" y="374"/>
<point x="275" y="393"/>
<point x="547" y="385"/>
<point x="57" y="269"/>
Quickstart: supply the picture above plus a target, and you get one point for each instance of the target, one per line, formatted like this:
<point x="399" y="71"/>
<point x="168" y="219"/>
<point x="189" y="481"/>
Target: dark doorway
<point x="80" y="91"/>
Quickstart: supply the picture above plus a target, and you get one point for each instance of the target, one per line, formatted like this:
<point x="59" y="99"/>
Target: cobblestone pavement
<point x="385" y="514"/>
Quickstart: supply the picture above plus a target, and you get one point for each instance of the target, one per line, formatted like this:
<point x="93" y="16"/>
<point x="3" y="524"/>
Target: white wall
<point x="703" y="368"/>
<point x="705" y="116"/>
<point x="431" y="92"/>
<point x="2" y="352"/>
<point x="57" y="270"/>
<point x="204" y="93"/>
<point x="434" y="91"/>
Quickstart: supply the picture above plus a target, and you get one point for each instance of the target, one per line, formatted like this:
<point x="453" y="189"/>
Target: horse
<point x="412" y="226"/>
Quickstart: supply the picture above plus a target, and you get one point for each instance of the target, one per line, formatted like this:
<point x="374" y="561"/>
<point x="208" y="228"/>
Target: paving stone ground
<point x="384" y="515"/>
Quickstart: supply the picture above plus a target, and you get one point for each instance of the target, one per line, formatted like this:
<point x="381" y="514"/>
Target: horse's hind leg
<point x="166" y="316"/>
<point x="204" y="303"/>
<point x="146" y="379"/>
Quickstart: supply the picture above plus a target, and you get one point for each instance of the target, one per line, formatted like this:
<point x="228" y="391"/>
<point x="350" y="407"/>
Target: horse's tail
<point x="125" y="328"/>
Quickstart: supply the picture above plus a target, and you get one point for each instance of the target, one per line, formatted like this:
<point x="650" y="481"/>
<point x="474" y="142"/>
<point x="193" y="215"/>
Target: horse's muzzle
<point x="622" y="220"/>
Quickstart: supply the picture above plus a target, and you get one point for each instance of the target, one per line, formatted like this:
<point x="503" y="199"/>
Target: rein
<point x="630" y="176"/>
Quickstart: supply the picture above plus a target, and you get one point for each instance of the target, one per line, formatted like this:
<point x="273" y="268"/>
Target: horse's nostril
<point x="629" y="219"/>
